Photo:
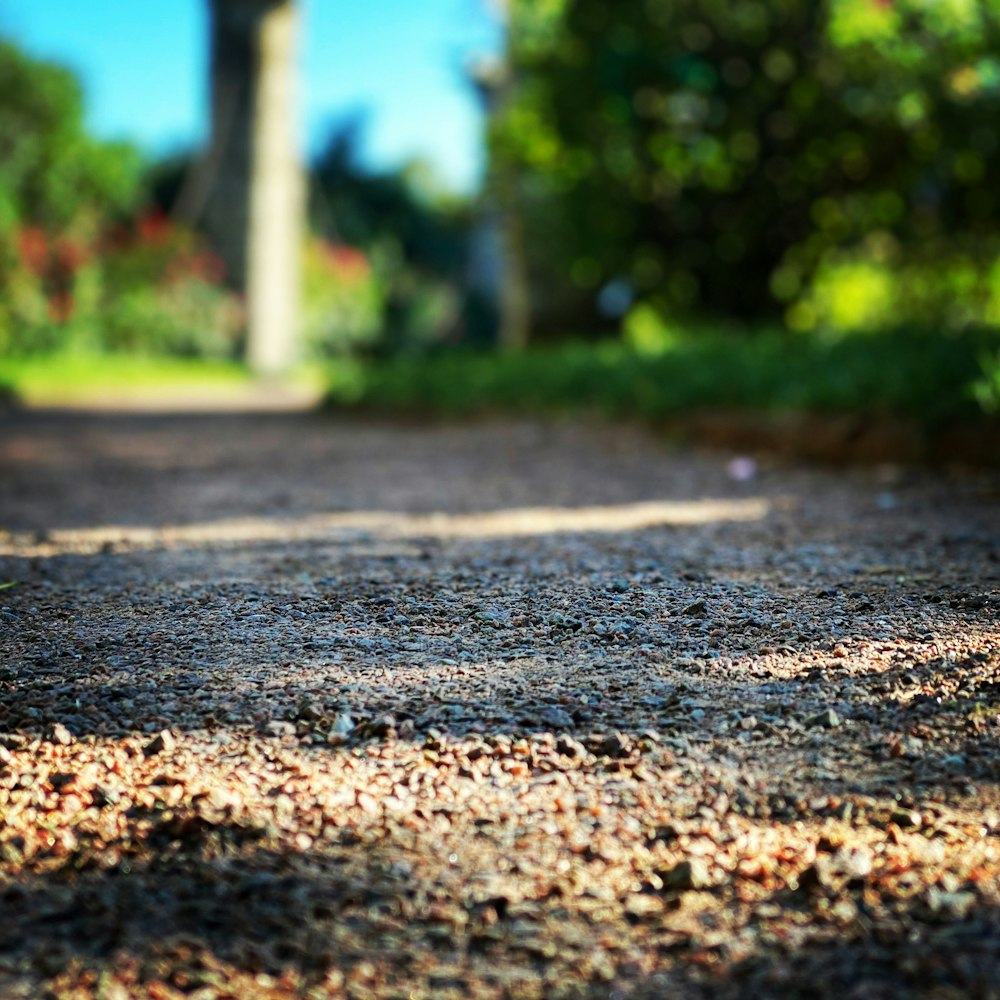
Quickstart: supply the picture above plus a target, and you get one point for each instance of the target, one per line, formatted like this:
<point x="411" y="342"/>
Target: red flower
<point x="33" y="246"/>
<point x="208" y="266"/>
<point x="154" y="227"/>
<point x="348" y="263"/>
<point x="70" y="255"/>
<point x="61" y="306"/>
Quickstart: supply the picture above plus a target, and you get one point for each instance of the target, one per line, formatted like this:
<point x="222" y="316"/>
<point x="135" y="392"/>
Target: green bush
<point x="987" y="388"/>
<point x="829" y="162"/>
<point x="73" y="277"/>
<point x="342" y="300"/>
<point x="923" y="375"/>
<point x="161" y="292"/>
<point x="151" y="289"/>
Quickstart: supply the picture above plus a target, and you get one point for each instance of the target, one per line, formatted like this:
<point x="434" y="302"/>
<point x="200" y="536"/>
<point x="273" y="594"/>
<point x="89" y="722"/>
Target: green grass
<point x="68" y="379"/>
<point x="921" y="375"/>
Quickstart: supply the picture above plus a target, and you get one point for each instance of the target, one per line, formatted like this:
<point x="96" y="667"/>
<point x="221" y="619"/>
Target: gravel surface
<point x="297" y="706"/>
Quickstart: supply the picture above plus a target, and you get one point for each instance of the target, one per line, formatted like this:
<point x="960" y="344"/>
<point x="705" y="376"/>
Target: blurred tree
<point x="502" y="224"/>
<point x="756" y="160"/>
<point x="52" y="174"/>
<point x="385" y="268"/>
<point x="414" y="232"/>
<point x="359" y="207"/>
<point x="59" y="191"/>
<point x="249" y="184"/>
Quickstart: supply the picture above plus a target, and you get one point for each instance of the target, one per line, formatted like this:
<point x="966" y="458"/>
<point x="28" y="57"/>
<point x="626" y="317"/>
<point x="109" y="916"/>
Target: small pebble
<point x="164" y="741"/>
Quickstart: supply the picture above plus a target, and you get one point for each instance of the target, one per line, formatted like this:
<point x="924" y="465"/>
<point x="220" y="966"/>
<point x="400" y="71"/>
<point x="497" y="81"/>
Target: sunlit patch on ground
<point x="389" y="524"/>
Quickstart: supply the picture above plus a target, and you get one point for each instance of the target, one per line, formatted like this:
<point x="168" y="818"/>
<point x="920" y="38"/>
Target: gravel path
<point x="294" y="706"/>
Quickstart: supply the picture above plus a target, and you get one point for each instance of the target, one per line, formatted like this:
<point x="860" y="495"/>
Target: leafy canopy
<point x="52" y="173"/>
<point x="725" y="157"/>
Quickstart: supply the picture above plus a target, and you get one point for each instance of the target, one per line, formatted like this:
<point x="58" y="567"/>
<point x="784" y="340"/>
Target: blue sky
<point x="143" y="66"/>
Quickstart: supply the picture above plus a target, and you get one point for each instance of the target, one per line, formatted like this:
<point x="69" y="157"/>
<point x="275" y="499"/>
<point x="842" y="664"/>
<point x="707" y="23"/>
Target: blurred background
<point x="641" y="207"/>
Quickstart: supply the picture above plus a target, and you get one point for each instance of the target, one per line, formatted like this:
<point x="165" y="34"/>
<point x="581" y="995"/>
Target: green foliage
<point x="151" y="288"/>
<point x="38" y="273"/>
<point x="832" y="163"/>
<point x="342" y="300"/>
<point x="52" y="174"/>
<point x="73" y="276"/>
<point x="159" y="291"/>
<point x="921" y="374"/>
<point x="987" y="388"/>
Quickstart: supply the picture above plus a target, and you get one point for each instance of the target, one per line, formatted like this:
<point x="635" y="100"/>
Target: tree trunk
<point x="492" y="79"/>
<point x="254" y="189"/>
<point x="515" y="296"/>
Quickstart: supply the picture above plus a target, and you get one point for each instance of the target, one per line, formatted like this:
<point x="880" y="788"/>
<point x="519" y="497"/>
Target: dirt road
<point x="299" y="706"/>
